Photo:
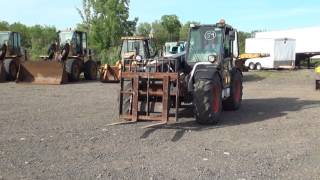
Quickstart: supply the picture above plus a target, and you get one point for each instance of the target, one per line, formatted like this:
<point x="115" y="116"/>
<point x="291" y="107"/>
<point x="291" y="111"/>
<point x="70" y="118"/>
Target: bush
<point x="110" y="56"/>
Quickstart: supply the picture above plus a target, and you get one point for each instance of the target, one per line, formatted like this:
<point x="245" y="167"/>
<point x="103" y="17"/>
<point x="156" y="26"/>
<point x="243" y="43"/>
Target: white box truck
<point x="280" y="53"/>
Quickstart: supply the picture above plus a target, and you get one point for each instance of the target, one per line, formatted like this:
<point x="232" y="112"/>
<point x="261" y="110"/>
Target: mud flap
<point x="42" y="72"/>
<point x="2" y="73"/>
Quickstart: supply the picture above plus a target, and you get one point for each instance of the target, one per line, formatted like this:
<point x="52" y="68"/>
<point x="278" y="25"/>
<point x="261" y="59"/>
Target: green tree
<point x="41" y="37"/>
<point x="184" y="31"/>
<point x="160" y="34"/>
<point x="172" y="24"/>
<point x="86" y="14"/>
<point x="144" y="29"/>
<point x="242" y="40"/>
<point x="108" y="22"/>
<point x="25" y="34"/>
<point x="4" y="26"/>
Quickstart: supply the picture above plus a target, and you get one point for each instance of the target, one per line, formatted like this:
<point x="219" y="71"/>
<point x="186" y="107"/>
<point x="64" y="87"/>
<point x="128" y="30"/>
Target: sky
<point x="245" y="15"/>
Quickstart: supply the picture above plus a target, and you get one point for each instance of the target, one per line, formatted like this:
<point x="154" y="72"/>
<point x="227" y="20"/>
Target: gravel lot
<point x="61" y="132"/>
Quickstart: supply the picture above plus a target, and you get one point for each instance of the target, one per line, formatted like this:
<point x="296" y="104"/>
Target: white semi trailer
<point x="307" y="40"/>
<point x="278" y="53"/>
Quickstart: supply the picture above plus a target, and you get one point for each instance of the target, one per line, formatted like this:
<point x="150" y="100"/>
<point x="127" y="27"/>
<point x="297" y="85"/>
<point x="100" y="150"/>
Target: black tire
<point x="73" y="70"/>
<point x="258" y="67"/>
<point x="90" y="70"/>
<point x="11" y="69"/>
<point x="233" y="102"/>
<point x="252" y="66"/>
<point x="207" y="100"/>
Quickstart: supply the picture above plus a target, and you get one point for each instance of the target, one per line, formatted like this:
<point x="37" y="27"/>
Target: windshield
<point x="4" y="37"/>
<point x="133" y="46"/>
<point x="65" y="37"/>
<point x="204" y="41"/>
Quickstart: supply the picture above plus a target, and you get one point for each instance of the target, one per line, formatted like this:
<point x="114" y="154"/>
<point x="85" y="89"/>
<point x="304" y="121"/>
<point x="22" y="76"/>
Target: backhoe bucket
<point x="42" y="72"/>
<point x="110" y="74"/>
<point x="2" y="73"/>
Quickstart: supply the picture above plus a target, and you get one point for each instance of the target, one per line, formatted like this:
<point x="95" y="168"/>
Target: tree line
<point x="106" y="21"/>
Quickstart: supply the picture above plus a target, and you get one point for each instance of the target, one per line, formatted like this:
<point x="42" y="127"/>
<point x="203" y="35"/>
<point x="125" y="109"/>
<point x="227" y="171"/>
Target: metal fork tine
<point x="154" y="125"/>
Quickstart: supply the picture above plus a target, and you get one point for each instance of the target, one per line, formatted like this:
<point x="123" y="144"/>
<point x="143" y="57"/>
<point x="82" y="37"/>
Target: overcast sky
<point x="245" y="15"/>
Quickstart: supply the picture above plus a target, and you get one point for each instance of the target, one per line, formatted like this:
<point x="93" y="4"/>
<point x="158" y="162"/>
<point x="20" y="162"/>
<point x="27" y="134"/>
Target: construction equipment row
<point x="152" y="88"/>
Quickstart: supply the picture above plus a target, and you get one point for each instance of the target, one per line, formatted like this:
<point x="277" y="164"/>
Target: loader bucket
<point x="2" y="73"/>
<point x="42" y="72"/>
<point x="110" y="74"/>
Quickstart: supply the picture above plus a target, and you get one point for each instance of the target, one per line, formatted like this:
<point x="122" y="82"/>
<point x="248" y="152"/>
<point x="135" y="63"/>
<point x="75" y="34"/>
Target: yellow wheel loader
<point x="133" y="47"/>
<point x="67" y="59"/>
<point x="11" y="55"/>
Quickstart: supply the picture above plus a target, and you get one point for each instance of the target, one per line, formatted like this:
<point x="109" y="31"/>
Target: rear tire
<point x="258" y="67"/>
<point x="90" y="70"/>
<point x="73" y="70"/>
<point x="11" y="69"/>
<point x="207" y="101"/>
<point x="233" y="102"/>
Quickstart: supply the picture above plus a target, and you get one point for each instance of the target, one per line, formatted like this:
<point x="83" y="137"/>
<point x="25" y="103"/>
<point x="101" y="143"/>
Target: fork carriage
<point x="150" y="90"/>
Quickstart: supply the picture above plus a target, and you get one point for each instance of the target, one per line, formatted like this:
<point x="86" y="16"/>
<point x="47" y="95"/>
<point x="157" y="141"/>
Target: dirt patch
<point x="61" y="132"/>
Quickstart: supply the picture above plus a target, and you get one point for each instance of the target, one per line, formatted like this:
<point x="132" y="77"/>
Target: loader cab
<point x="13" y="42"/>
<point x="137" y="46"/>
<point x="77" y="41"/>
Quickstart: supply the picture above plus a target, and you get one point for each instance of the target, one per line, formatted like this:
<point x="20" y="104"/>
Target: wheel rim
<point x="216" y="94"/>
<point x="251" y="66"/>
<point x="237" y="95"/>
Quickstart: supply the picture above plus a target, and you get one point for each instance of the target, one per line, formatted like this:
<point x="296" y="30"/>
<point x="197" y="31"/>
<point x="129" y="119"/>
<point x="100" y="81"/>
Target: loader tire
<point x="233" y="102"/>
<point x="90" y="70"/>
<point x="207" y="100"/>
<point x="11" y="69"/>
<point x="73" y="70"/>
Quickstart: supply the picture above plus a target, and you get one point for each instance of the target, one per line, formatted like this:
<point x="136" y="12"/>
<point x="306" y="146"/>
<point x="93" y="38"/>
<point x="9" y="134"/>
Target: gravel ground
<point x="61" y="132"/>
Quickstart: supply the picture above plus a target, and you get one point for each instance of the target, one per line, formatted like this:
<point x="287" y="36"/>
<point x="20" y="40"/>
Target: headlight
<point x="139" y="58"/>
<point x="212" y="58"/>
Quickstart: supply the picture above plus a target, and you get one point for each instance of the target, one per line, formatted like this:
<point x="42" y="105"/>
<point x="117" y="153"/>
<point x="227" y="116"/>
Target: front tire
<point x="73" y="69"/>
<point x="207" y="100"/>
<point x="11" y="69"/>
<point x="252" y="66"/>
<point x="233" y="102"/>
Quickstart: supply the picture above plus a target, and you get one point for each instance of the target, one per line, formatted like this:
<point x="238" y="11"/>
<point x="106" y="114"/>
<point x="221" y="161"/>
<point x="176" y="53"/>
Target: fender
<point x="202" y="70"/>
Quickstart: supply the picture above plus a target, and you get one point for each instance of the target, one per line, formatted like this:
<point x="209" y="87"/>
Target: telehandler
<point x="153" y="89"/>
